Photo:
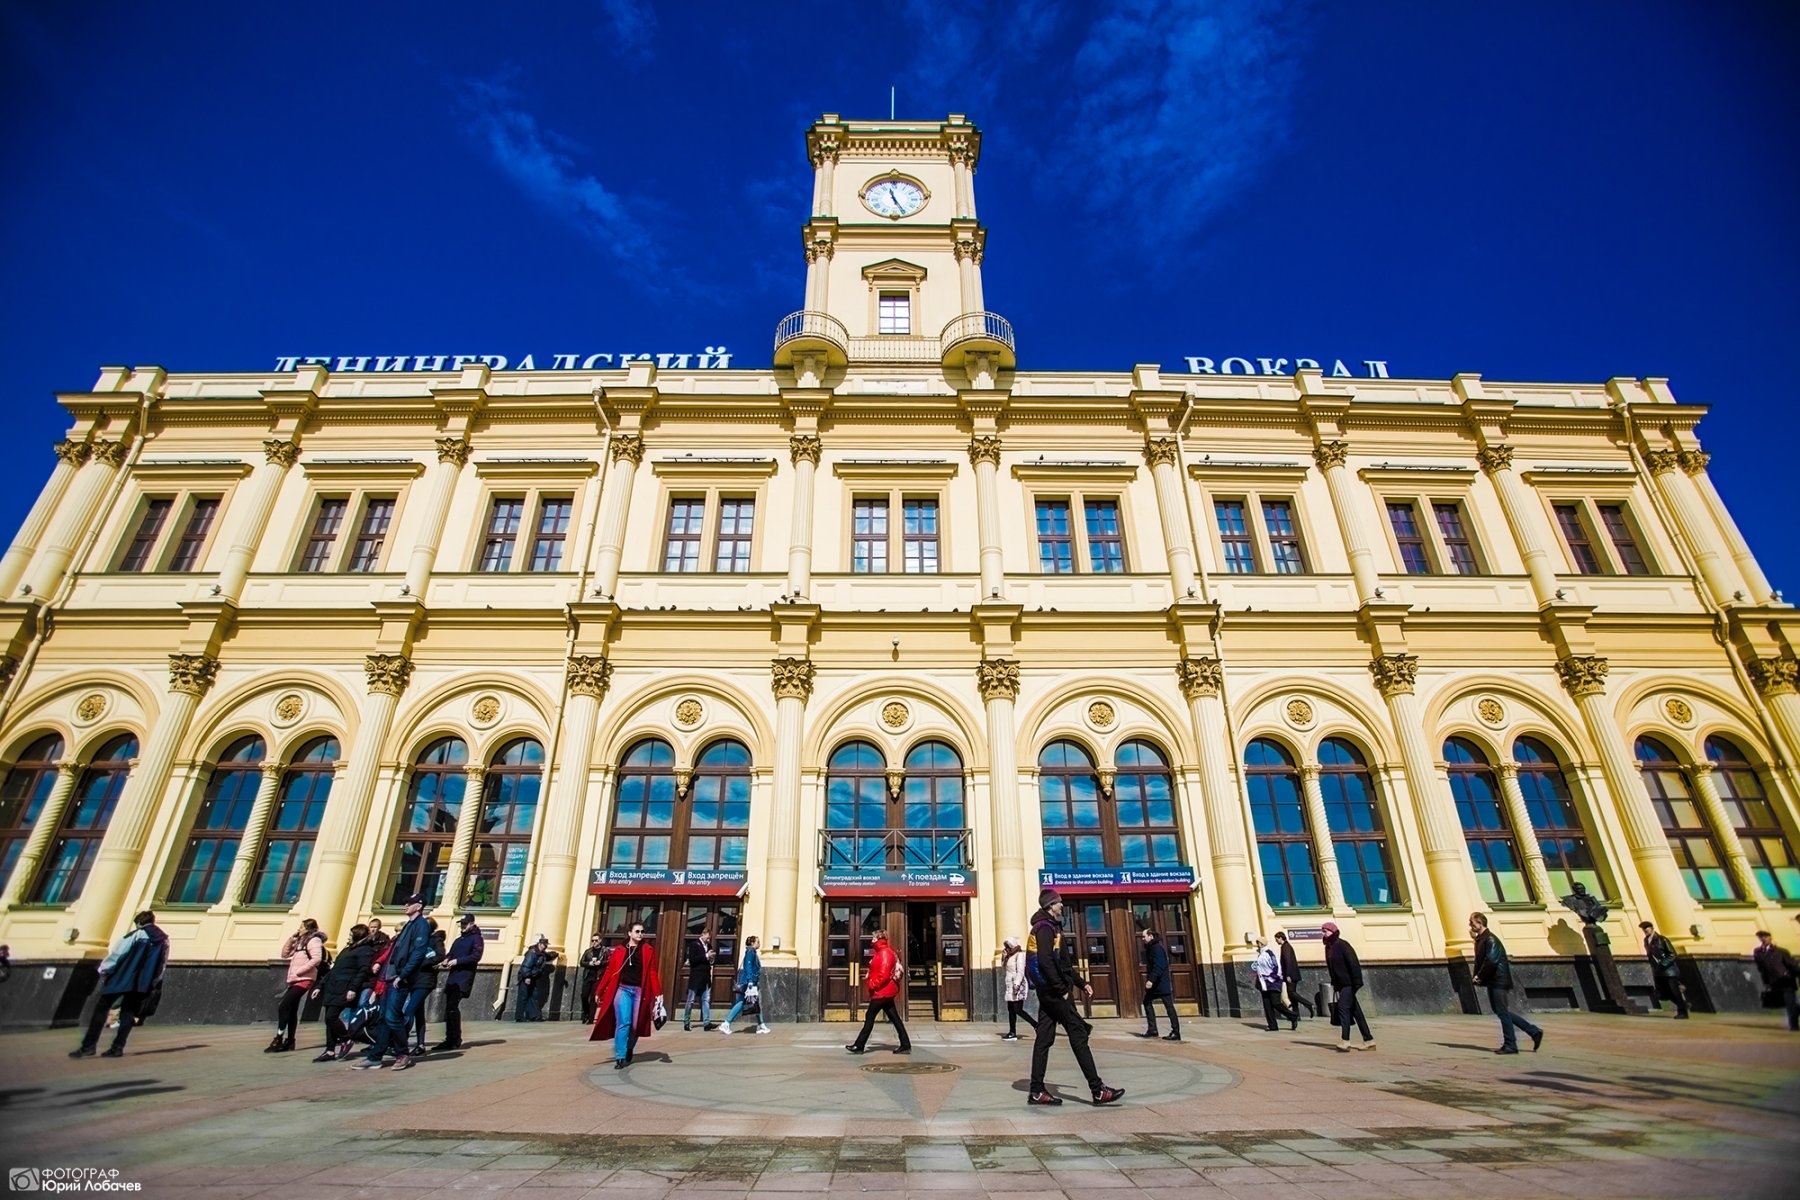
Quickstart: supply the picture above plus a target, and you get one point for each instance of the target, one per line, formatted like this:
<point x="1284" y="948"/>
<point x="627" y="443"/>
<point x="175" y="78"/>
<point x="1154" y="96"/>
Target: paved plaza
<point x="1612" y="1106"/>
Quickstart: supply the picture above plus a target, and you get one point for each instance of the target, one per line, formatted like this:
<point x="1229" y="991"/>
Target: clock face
<point x="894" y="198"/>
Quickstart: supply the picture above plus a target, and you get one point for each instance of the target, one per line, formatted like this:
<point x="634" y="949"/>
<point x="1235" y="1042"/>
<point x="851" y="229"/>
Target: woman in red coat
<point x="885" y="980"/>
<point x="625" y="1001"/>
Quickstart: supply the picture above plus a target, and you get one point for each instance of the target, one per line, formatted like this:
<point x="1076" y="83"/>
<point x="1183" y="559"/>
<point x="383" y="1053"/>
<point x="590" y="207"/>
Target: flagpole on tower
<point x="890" y="103"/>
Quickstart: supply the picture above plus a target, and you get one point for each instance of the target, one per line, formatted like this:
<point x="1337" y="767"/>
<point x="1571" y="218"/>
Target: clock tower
<point x="893" y="255"/>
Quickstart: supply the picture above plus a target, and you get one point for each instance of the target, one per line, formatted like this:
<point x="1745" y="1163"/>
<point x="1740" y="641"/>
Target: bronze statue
<point x="1584" y="904"/>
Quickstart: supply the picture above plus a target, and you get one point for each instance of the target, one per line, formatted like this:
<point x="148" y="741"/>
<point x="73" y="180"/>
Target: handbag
<point x="753" y="999"/>
<point x="660" y="1015"/>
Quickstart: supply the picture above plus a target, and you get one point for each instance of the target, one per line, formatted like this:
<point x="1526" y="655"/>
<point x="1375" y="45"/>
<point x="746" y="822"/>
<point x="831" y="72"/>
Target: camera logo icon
<point x="24" y="1179"/>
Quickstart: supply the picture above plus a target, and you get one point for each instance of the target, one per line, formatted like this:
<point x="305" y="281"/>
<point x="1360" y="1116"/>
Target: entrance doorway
<point x="670" y="922"/>
<point x="1109" y="952"/>
<point x="931" y="939"/>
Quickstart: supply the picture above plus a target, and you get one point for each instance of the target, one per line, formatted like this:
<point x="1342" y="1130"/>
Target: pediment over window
<point x="895" y="271"/>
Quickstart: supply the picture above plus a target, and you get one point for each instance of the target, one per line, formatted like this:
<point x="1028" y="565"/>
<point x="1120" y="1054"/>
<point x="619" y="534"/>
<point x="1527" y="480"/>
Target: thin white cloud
<point x="630" y="26"/>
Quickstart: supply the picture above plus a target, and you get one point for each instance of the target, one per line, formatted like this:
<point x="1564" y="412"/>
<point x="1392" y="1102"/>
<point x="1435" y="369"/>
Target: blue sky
<point x="1558" y="191"/>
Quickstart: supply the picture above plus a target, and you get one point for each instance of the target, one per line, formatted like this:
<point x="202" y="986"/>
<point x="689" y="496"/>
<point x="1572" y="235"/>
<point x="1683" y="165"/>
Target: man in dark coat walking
<point x="1158" y="985"/>
<point x="459" y="966"/>
<point x="1290" y="976"/>
<point x="128" y="976"/>
<point x="1493" y="971"/>
<point x="1779" y="975"/>
<point x="400" y="980"/>
<point x="1056" y="981"/>
<point x="1345" y="970"/>
<point x="700" y="957"/>
<point x="1665" y="968"/>
<point x="592" y="962"/>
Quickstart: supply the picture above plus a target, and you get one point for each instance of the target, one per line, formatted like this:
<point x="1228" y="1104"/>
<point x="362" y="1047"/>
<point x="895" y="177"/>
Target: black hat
<point x="416" y="898"/>
<point x="1049" y="896"/>
<point x="1645" y="925"/>
<point x="466" y="919"/>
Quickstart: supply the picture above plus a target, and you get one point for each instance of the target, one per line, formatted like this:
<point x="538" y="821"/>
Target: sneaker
<point x="344" y="1048"/>
<point x="82" y="1052"/>
<point x="764" y="1029"/>
<point x="369" y="1064"/>
<point x="687" y="1028"/>
<point x="1369" y="1045"/>
<point x="1009" y="1037"/>
<point x="853" y="1048"/>
<point x="709" y="1027"/>
<point x="1343" y="1047"/>
<point x="725" y="1029"/>
<point x="113" y="1052"/>
<point x="1043" y="1096"/>
<point x="327" y="1055"/>
<point x="418" y="1051"/>
<point x="1507" y="1050"/>
<point x="1537" y="1039"/>
<point x="402" y="1063"/>
<point x="1107" y="1095"/>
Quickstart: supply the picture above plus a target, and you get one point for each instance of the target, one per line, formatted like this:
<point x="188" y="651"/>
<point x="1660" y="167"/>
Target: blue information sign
<point x="1118" y="879"/>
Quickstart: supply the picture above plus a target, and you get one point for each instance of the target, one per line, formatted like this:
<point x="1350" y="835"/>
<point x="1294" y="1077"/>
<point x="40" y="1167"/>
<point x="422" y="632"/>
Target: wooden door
<point x="952" y="967"/>
<point x="719" y="919"/>
<point x="1089" y="925"/>
<point x="1172" y="919"/>
<point x="850" y="927"/>
<point x="1123" y="919"/>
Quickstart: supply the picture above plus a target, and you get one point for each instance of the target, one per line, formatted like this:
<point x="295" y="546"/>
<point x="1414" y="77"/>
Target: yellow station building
<point x="890" y="634"/>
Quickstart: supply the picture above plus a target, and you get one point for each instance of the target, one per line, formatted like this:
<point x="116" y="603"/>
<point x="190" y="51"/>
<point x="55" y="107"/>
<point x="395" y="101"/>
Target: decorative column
<point x="1701" y="536"/>
<point x="1322" y="843"/>
<point x="1331" y="457"/>
<point x="1171" y="506"/>
<point x="586" y="680"/>
<point x="984" y="453"/>
<point x="792" y="680"/>
<point x="73" y="516"/>
<point x="250" y="845"/>
<point x="998" y="679"/>
<point x="49" y="820"/>
<point x="1525" y="833"/>
<point x="452" y="453"/>
<point x="96" y="914"/>
<point x="1523" y="517"/>
<point x="627" y="453"/>
<point x="258" y="501"/>
<point x="1440" y="834"/>
<point x="1700" y="778"/>
<point x="1584" y="678"/>
<point x="818" y="267"/>
<point x="1778" y="679"/>
<point x="327" y="894"/>
<point x="962" y="170"/>
<point x="69" y="457"/>
<point x="468" y="820"/>
<point x="805" y="450"/>
<point x="1694" y="463"/>
<point x="1202" y="680"/>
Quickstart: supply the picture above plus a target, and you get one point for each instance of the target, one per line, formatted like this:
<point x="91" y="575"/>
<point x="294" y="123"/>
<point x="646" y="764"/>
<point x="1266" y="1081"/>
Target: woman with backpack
<point x="339" y="988"/>
<point x="306" y="956"/>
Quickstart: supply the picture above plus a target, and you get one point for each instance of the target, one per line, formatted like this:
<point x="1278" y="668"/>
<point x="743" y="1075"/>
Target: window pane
<point x="143" y="542"/>
<point x="1056" y="553"/>
<point x="1234" y="537"/>
<point x="1106" y="544"/>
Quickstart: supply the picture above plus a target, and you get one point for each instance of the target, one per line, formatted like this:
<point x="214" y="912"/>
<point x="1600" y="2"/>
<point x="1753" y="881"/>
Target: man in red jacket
<point x="884" y="987"/>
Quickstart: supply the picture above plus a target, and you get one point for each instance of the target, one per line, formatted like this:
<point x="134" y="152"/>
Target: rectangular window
<point x="1580" y="542"/>
<point x="1106" y="544"/>
<point x="143" y="542"/>
<point x="504" y="519"/>
<point x="869" y="536"/>
<point x="894" y="313"/>
<point x="193" y="536"/>
<point x="737" y="517"/>
<point x="921" y="536"/>
<point x="681" y="547"/>
<point x="552" y="532"/>
<point x="1284" y="537"/>
<point x="1056" y="552"/>
<point x="1403" y="515"/>
<point x="1234" y="536"/>
<point x="324" y="533"/>
<point x="371" y="534"/>
<point x="1453" y="527"/>
<point x="1618" y="531"/>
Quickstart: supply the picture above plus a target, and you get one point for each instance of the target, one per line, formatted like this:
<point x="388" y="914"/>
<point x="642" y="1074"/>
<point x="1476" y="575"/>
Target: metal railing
<point x="982" y="326"/>
<point x="894" y="349"/>
<point x="811" y="325"/>
<point x="895" y="850"/>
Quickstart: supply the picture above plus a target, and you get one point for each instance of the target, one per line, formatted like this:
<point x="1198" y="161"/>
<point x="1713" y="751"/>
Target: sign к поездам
<point x="1119" y="879"/>
<point x="693" y="883"/>
<point x="898" y="883"/>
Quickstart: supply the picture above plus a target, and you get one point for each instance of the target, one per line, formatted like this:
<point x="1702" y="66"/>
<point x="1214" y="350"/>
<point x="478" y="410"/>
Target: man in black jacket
<point x="1779" y="974"/>
<point x="350" y="973"/>
<point x="699" y="965"/>
<point x="592" y="962"/>
<point x="1493" y="971"/>
<point x="1290" y="976"/>
<point x="401" y="997"/>
<point x="534" y="967"/>
<point x="1158" y="985"/>
<point x="459" y="966"/>
<point x="1345" y="970"/>
<point x="1665" y="968"/>
<point x="130" y="974"/>
<point x="1055" y="980"/>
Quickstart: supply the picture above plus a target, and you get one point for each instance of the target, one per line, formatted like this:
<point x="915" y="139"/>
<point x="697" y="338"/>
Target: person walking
<point x="130" y="975"/>
<point x="590" y="964"/>
<point x="1055" y="981"/>
<point x="1012" y="966"/>
<point x="400" y="996"/>
<point x="305" y="954"/>
<point x="1290" y="975"/>
<point x="339" y="988"/>
<point x="1779" y="975"/>
<point x="1665" y="968"/>
<point x="700" y="955"/>
<point x="1493" y="971"/>
<point x="1267" y="969"/>
<point x="535" y="965"/>
<point x="460" y="962"/>
<point x="626" y="1000"/>
<point x="1158" y="985"/>
<point x="883" y="982"/>
<point x="427" y="983"/>
<point x="1345" y="970"/>
<point x="747" y="987"/>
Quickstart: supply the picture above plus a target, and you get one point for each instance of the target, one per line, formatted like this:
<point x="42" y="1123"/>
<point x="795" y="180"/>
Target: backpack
<point x="325" y="961"/>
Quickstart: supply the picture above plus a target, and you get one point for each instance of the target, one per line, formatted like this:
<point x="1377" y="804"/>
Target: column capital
<point x="998" y="679"/>
<point x="792" y="678"/>
<point x="805" y="447"/>
<point x="192" y="673"/>
<point x="1200" y="677"/>
<point x="72" y="452"/>
<point x="589" y="675"/>
<point x="1694" y="461"/>
<point x="1582" y="675"/>
<point x="110" y="453"/>
<point x="825" y="148"/>
<point x="475" y="773"/>
<point x="1309" y="772"/>
<point x="1507" y="769"/>
<point x="628" y="447"/>
<point x="273" y="771"/>
<point x="1395" y="674"/>
<point x="1331" y="454"/>
<point x="453" y="450"/>
<point x="68" y="769"/>
<point x="1497" y="457"/>
<point x="1662" y="461"/>
<point x="1159" y="452"/>
<point x="1775" y="676"/>
<point x="984" y="449"/>
<point x="281" y="451"/>
<point x="388" y="673"/>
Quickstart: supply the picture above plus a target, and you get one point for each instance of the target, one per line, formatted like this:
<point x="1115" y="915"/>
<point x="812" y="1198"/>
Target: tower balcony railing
<point x="808" y="332"/>
<point x="977" y="333"/>
<point x="852" y="850"/>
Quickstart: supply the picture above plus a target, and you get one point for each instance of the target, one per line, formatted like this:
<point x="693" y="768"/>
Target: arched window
<point x="294" y="825"/>
<point x="1568" y="858"/>
<point x="856" y="809"/>
<point x="1493" y="852"/>
<point x="718" y="824"/>
<point x="28" y="784"/>
<point x="219" y="825"/>
<point x="1696" y="854"/>
<point x="936" y="817"/>
<point x="71" y="857"/>
<point x="644" y="817"/>
<point x="1354" y="819"/>
<point x="1740" y="787"/>
<point x="1069" y="801"/>
<point x="1144" y="808"/>
<point x="509" y="802"/>
<point x="434" y="801"/>
<point x="1284" y="844"/>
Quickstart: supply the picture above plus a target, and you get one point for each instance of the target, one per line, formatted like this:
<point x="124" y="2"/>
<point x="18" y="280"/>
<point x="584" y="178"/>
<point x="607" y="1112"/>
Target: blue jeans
<point x="625" y="1004"/>
<point x="1509" y="1021"/>
<point x="397" y="1009"/>
<point x="705" y="994"/>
